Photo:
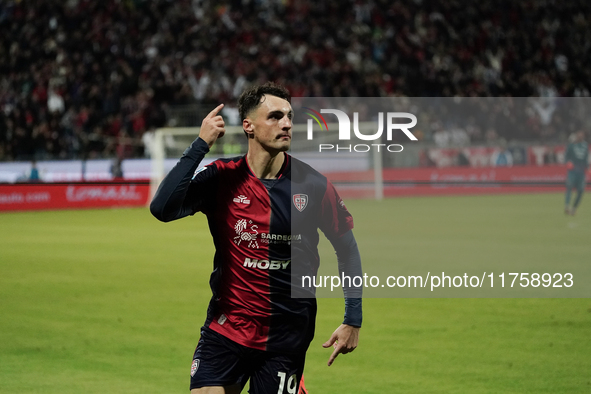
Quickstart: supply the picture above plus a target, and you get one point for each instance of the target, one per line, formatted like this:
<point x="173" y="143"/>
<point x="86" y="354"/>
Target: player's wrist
<point x="353" y="321"/>
<point x="197" y="150"/>
<point x="202" y="143"/>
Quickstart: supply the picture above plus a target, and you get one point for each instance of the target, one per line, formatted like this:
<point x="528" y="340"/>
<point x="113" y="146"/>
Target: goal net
<point x="356" y="174"/>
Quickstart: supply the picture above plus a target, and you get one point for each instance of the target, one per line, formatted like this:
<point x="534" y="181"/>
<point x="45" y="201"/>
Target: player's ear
<point x="247" y="126"/>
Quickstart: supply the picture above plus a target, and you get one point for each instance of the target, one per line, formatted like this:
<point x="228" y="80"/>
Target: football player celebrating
<point x="263" y="210"/>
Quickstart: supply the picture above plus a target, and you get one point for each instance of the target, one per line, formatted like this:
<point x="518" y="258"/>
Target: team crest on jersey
<point x="300" y="201"/>
<point x="194" y="367"/>
<point x="246" y="232"/>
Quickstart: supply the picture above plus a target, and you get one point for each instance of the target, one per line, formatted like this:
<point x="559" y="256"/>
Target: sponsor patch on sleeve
<point x="200" y="170"/>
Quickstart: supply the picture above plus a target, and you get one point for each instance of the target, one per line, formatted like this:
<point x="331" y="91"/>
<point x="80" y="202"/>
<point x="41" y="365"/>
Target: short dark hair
<point x="250" y="99"/>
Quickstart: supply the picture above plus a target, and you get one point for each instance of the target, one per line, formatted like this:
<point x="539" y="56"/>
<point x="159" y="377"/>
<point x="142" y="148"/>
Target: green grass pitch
<point x="111" y="301"/>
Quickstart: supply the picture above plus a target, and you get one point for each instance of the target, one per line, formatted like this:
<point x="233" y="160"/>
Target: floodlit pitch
<point x="98" y="301"/>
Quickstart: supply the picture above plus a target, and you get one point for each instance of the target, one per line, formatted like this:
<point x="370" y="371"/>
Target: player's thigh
<point x="279" y="374"/>
<point x="581" y="183"/>
<point x="217" y="365"/>
<point x="571" y="180"/>
<point x="235" y="389"/>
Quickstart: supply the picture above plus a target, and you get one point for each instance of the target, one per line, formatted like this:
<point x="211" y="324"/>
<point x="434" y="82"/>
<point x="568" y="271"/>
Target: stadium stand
<point x="87" y="79"/>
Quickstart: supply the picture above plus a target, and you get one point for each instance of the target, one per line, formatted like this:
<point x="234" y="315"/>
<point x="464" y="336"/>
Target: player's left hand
<point x="344" y="340"/>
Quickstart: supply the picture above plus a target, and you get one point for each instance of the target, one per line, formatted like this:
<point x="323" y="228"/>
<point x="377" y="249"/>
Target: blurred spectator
<point x="117" y="169"/>
<point x="34" y="174"/>
<point x="502" y="156"/>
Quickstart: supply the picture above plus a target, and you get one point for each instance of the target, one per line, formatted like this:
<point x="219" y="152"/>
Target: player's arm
<point x="336" y="224"/>
<point x="346" y="337"/>
<point x="178" y="194"/>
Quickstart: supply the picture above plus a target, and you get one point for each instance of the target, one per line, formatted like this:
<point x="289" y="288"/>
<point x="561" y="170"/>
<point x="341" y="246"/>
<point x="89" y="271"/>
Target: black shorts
<point x="219" y="361"/>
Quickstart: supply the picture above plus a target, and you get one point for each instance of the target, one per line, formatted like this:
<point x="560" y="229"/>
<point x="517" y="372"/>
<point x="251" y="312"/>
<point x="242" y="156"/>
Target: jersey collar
<point x="284" y="171"/>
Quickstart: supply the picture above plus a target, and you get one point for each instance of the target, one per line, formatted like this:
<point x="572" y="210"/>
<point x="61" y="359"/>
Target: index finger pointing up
<point x="215" y="111"/>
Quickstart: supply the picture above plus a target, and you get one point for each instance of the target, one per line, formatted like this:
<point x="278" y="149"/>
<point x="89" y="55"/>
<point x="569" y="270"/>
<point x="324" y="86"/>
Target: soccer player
<point x="577" y="162"/>
<point x="263" y="211"/>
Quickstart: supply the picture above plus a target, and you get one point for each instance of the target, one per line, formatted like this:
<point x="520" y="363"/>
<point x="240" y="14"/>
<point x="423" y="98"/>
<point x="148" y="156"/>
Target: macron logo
<point x="242" y="200"/>
<point x="266" y="264"/>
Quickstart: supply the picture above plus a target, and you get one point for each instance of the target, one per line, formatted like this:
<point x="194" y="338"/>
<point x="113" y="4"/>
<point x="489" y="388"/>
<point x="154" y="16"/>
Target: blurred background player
<point x="577" y="162"/>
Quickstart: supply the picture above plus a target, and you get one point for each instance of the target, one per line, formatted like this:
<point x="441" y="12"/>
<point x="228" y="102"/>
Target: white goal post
<point x="169" y="143"/>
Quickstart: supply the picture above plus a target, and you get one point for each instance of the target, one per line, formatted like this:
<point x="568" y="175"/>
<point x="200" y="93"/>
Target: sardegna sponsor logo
<point x="390" y="122"/>
<point x="103" y="193"/>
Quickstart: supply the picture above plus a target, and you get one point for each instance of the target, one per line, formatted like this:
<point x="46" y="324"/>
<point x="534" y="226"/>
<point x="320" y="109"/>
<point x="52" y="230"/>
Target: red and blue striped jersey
<point x="260" y="229"/>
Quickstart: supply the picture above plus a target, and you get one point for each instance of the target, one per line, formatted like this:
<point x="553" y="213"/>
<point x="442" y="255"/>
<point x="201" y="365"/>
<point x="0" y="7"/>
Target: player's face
<point x="270" y="124"/>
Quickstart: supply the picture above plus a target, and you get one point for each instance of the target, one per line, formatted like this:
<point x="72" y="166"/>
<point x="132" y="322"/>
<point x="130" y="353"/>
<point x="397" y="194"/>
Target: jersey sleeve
<point x="335" y="218"/>
<point x="336" y="223"/>
<point x="185" y="190"/>
<point x="350" y="266"/>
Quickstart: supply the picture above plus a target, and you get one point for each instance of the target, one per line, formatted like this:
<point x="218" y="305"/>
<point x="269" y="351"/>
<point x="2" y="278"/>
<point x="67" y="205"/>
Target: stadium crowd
<point x="83" y="78"/>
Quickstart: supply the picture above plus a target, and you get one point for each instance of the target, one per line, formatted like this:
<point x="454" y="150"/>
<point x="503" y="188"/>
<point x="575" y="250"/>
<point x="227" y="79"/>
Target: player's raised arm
<point x="212" y="126"/>
<point x="177" y="196"/>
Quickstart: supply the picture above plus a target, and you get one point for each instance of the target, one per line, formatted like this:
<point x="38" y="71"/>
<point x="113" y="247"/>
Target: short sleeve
<point x="335" y="218"/>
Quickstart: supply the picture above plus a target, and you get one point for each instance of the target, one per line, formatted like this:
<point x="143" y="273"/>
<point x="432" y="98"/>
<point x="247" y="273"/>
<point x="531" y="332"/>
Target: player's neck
<point x="263" y="164"/>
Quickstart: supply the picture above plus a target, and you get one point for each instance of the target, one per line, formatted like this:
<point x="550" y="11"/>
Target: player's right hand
<point x="569" y="165"/>
<point x="212" y="126"/>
